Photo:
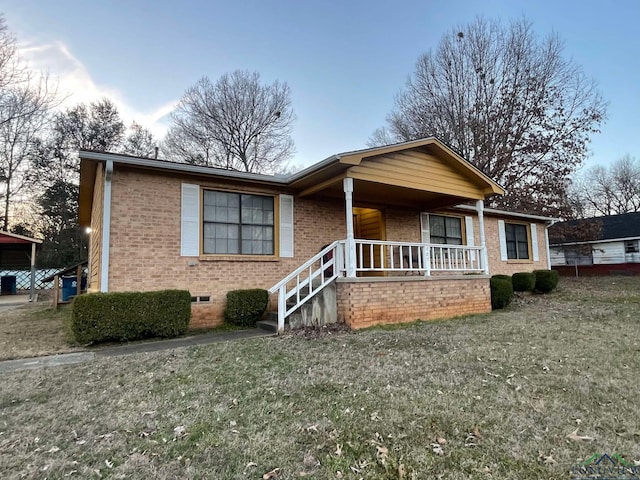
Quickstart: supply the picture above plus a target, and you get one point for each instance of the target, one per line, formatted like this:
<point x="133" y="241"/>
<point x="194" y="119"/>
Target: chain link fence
<point x="23" y="278"/>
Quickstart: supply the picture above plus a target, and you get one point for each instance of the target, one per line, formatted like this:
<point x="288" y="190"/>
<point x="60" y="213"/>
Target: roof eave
<point x="182" y="167"/>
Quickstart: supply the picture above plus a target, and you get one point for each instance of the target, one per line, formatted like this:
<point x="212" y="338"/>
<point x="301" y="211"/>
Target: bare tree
<point x="610" y="190"/>
<point x="25" y="101"/>
<point x="139" y="141"/>
<point x="236" y="123"/>
<point x="383" y="136"/>
<point x="507" y="101"/>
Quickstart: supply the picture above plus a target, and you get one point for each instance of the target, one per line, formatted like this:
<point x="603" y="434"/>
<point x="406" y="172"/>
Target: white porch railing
<point x="424" y="258"/>
<point x="308" y="279"/>
<point x="371" y="256"/>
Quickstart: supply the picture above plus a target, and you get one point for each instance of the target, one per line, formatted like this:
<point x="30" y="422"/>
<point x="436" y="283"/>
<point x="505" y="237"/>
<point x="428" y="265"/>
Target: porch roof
<point x="424" y="172"/>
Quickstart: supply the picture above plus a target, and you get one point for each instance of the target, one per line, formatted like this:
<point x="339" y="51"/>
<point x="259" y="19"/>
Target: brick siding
<point x="367" y="302"/>
<point x="145" y="242"/>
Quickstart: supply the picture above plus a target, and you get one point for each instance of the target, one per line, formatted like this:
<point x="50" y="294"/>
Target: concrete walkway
<point x="141" y="347"/>
<point x="8" y="302"/>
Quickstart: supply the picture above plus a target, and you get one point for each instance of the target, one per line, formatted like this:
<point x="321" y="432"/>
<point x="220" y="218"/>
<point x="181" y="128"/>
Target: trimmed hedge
<point x="245" y="307"/>
<point x="502" y="277"/>
<point x="546" y="280"/>
<point x="123" y="316"/>
<point x="523" y="281"/>
<point x="501" y="292"/>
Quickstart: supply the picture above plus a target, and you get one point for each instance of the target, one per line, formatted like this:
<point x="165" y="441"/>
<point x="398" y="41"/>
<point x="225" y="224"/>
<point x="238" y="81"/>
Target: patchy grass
<point x="35" y="330"/>
<point x="483" y="397"/>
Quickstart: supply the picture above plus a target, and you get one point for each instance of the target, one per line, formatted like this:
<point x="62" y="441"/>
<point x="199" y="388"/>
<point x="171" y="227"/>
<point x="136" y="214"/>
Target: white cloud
<point x="76" y="85"/>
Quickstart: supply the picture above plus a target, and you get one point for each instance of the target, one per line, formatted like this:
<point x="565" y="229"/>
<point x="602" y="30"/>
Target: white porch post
<point x="483" y="243"/>
<point x="350" y="251"/>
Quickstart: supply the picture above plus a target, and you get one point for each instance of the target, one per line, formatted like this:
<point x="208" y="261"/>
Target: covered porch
<point x="422" y="176"/>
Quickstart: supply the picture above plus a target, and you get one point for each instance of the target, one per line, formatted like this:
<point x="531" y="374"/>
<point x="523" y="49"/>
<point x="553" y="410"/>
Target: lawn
<point x="521" y="394"/>
<point x="33" y="330"/>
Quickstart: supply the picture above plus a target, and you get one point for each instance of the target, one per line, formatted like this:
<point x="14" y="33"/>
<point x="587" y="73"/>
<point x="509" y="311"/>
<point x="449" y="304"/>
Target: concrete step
<point x="268" y="325"/>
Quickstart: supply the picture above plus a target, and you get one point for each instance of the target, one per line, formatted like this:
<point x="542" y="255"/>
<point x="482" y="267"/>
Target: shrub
<point x="546" y="280"/>
<point x="523" y="281"/>
<point x="503" y="277"/>
<point x="501" y="292"/>
<point x="245" y="307"/>
<point x="123" y="316"/>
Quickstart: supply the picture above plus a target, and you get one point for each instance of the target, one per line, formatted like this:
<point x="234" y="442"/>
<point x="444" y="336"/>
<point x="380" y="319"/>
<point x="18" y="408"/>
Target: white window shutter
<point x="190" y="221"/>
<point x="503" y="241"/>
<point x="286" y="226"/>
<point x="534" y="242"/>
<point x="424" y="228"/>
<point x="468" y="224"/>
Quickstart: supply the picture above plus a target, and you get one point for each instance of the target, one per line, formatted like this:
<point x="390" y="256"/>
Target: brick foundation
<point x="365" y="302"/>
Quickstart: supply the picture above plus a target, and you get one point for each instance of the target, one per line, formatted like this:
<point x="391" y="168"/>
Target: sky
<point x="344" y="60"/>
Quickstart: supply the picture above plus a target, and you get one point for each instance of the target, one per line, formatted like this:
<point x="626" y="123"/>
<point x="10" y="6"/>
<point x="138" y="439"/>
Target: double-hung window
<point x="445" y="230"/>
<point x="237" y="223"/>
<point x="517" y="241"/>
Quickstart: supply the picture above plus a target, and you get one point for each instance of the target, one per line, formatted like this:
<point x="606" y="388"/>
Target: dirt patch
<point x="320" y="331"/>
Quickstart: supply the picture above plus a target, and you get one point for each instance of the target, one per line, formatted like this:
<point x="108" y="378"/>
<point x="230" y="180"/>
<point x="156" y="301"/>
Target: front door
<point x="368" y="224"/>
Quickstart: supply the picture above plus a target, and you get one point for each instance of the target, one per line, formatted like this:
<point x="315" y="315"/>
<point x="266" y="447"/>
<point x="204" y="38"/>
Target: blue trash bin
<point x="69" y="288"/>
<point x="8" y="285"/>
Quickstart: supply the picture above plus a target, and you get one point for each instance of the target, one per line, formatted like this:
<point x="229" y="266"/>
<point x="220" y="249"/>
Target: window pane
<point x="510" y="232"/>
<point x="511" y="250"/>
<point x="436" y="226"/>
<point x="523" y="250"/>
<point x="220" y="238"/>
<point x="454" y="227"/>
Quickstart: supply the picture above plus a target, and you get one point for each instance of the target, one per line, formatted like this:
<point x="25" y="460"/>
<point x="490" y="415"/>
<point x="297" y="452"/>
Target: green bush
<point x="501" y="292"/>
<point x="245" y="307"/>
<point x="523" y="281"/>
<point x="503" y="277"/>
<point x="123" y="316"/>
<point x="546" y="280"/>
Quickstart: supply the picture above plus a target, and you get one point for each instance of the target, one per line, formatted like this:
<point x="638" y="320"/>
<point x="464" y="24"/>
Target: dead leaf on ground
<point x="547" y="459"/>
<point x="338" y="451"/>
<point x="272" y="474"/>
<point x="381" y="453"/>
<point x="437" y="449"/>
<point x="180" y="431"/>
<point x="579" y="438"/>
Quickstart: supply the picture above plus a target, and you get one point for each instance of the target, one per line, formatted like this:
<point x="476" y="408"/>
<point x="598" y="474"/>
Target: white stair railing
<point x="308" y="279"/>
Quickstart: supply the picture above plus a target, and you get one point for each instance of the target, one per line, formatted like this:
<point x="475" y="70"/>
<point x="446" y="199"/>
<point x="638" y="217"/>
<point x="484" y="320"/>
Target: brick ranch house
<point x="382" y="235"/>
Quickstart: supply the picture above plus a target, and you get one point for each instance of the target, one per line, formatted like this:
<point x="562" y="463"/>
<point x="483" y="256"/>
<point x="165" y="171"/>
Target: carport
<point x="18" y="252"/>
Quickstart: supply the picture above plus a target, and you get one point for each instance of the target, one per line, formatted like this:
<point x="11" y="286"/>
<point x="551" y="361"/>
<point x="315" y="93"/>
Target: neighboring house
<point x="615" y="248"/>
<point x="388" y="234"/>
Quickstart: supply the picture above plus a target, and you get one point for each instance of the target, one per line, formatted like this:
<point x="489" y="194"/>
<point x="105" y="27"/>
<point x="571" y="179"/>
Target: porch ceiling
<point x="373" y="194"/>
